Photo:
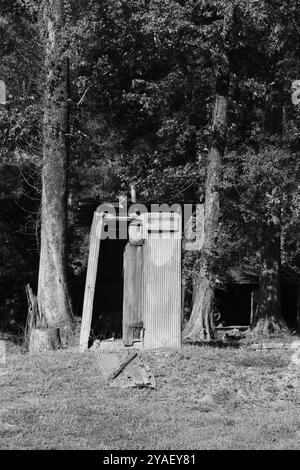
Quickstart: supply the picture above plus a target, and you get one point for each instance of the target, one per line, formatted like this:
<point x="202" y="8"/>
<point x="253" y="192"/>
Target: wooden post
<point x="254" y="301"/>
<point x="90" y="283"/>
<point x="183" y="285"/>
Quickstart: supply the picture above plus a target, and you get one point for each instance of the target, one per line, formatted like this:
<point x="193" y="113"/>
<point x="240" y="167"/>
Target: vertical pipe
<point x="132" y="193"/>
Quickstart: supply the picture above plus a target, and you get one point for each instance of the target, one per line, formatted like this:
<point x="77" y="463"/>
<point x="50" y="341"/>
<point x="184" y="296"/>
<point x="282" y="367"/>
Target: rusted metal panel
<point x="124" y="369"/>
<point x="132" y="293"/>
<point x="161" y="284"/>
<point x="108" y="362"/>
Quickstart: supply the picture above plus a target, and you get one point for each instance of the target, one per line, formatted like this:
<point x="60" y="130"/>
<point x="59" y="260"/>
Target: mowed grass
<point x="206" y="398"/>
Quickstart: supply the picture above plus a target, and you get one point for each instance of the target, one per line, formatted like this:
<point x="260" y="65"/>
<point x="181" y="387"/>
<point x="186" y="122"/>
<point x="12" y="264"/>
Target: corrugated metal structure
<point x="152" y="281"/>
<point x="152" y="305"/>
<point x="161" y="280"/>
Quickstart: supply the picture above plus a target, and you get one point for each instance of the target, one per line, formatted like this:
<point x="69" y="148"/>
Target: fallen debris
<point x="257" y="346"/>
<point x="124" y="370"/>
<point x="113" y="344"/>
<point x="232" y="336"/>
<point x="295" y="359"/>
<point x="122" y="366"/>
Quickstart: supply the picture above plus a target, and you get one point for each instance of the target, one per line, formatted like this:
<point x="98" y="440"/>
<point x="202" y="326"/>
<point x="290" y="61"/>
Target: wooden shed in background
<point x="237" y="301"/>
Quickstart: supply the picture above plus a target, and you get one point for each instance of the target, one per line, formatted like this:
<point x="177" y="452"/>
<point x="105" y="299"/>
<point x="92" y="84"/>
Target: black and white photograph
<point x="149" y="228"/>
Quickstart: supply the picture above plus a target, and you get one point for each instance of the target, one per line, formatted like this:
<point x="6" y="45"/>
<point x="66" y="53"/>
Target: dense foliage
<point x="142" y="77"/>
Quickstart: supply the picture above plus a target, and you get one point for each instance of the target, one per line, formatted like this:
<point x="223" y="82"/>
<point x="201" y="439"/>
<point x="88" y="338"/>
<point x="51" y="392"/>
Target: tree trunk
<point x="53" y="291"/>
<point x="43" y="339"/>
<point x="268" y="319"/>
<point x="201" y="323"/>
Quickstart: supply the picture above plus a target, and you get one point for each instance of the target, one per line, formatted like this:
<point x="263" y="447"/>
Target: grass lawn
<point x="207" y="398"/>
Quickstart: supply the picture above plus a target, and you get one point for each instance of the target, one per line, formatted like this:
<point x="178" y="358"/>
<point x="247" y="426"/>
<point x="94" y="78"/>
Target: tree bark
<point x="201" y="323"/>
<point x="43" y="339"/>
<point x="268" y="318"/>
<point x="53" y="292"/>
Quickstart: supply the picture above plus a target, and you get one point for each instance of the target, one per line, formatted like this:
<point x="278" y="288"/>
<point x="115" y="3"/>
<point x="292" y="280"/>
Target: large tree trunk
<point x="201" y="323"/>
<point x="43" y="339"/>
<point x="53" y="292"/>
<point x="268" y="318"/>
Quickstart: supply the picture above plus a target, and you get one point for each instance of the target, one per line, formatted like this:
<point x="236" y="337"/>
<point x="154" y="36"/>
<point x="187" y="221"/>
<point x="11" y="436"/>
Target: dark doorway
<point x="234" y="305"/>
<point x="108" y="299"/>
<point x="289" y="304"/>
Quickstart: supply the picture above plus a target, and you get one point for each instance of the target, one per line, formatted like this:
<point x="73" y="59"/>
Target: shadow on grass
<point x="214" y="343"/>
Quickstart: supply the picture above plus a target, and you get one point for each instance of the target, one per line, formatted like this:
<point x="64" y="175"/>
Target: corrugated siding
<point x="161" y="290"/>
<point x="108" y="362"/>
